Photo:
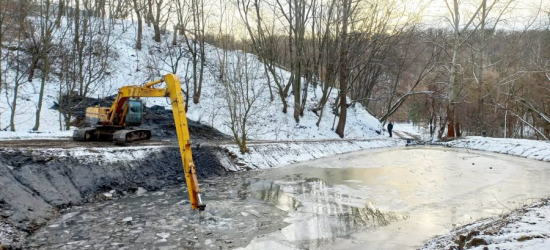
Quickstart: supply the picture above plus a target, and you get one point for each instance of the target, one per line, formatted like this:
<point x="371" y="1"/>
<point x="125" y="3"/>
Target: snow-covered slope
<point x="133" y="67"/>
<point x="525" y="228"/>
<point x="538" y="150"/>
<point x="268" y="155"/>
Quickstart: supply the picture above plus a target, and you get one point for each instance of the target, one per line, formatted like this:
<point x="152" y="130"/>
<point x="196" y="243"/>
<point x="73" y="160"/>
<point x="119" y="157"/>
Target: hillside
<point x="133" y="67"/>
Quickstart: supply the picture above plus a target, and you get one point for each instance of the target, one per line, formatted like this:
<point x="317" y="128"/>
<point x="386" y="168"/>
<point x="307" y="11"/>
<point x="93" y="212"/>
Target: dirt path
<point x="68" y="143"/>
<point x="406" y="135"/>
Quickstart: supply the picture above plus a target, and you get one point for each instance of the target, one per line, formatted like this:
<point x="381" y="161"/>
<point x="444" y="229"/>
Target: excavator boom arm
<point x="178" y="108"/>
<point x="173" y="91"/>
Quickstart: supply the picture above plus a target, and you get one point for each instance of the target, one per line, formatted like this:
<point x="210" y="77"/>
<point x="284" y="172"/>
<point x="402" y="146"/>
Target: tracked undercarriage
<point x="105" y="133"/>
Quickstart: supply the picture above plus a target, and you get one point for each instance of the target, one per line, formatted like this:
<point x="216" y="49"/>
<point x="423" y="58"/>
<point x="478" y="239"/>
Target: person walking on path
<point x="390" y="128"/>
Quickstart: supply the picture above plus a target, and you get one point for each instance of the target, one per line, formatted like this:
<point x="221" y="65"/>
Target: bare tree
<point x="3" y="20"/>
<point x="242" y="92"/>
<point x="158" y="13"/>
<point x="324" y="64"/>
<point x="417" y="59"/>
<point x="46" y="26"/>
<point x="16" y="57"/>
<point x="266" y="42"/>
<point x="192" y="23"/>
<point x="297" y="14"/>
<point x="139" y="7"/>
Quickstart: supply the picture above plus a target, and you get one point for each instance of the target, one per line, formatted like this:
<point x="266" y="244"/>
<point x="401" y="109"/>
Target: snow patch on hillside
<point x="538" y="150"/>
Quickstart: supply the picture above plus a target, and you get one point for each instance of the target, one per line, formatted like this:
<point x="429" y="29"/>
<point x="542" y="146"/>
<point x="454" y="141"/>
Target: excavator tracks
<point x="121" y="137"/>
<point x="85" y="134"/>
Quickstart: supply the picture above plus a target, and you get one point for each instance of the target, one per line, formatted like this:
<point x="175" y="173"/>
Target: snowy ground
<point x="525" y="228"/>
<point x="538" y="150"/>
<point x="268" y="155"/>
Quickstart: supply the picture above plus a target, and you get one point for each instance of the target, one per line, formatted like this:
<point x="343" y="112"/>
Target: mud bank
<point x="36" y="183"/>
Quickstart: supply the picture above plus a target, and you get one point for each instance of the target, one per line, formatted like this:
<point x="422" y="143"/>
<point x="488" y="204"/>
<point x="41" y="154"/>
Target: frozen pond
<point x="375" y="199"/>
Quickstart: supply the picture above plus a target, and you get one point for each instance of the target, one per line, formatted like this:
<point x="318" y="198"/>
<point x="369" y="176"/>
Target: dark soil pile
<point x="161" y="123"/>
<point x="156" y="118"/>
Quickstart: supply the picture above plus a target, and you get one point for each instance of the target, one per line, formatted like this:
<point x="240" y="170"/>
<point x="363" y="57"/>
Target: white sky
<point x="516" y="16"/>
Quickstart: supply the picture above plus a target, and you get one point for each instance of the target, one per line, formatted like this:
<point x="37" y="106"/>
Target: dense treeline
<point x="465" y="77"/>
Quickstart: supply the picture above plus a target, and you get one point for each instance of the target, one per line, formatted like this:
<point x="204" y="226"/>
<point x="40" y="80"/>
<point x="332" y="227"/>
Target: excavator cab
<point x="134" y="114"/>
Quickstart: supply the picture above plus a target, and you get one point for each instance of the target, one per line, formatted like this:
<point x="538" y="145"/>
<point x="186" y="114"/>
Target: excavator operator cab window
<point x="134" y="114"/>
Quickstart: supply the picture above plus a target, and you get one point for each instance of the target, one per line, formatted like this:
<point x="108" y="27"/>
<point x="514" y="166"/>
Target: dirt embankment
<point x="35" y="183"/>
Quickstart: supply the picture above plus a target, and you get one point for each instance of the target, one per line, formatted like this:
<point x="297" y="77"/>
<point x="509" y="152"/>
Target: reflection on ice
<point x="270" y="192"/>
<point x="320" y="212"/>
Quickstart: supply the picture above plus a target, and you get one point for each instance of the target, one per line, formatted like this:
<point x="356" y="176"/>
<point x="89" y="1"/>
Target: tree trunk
<point x="326" y="92"/>
<point x="304" y="95"/>
<point x="44" y="54"/>
<point x="140" y="25"/>
<point x="271" y="96"/>
<point x="156" y="22"/>
<point x="175" y="37"/>
<point x="41" y="94"/>
<point x="196" y="98"/>
<point x="15" y="95"/>
<point x="452" y="90"/>
<point x="451" y="121"/>
<point x="296" y="91"/>
<point x="343" y="73"/>
<point x="457" y="127"/>
<point x="32" y="68"/>
<point x="198" y="52"/>
<point x="60" y="12"/>
<point x="195" y="77"/>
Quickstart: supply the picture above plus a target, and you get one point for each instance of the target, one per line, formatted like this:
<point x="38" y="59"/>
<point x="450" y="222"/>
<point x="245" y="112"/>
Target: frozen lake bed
<point x="374" y="199"/>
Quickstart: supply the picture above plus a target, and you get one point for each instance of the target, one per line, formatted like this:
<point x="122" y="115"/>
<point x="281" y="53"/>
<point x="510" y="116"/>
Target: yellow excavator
<point x="115" y="124"/>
